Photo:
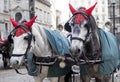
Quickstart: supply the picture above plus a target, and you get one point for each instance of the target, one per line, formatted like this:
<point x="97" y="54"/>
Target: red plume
<point x="89" y="11"/>
<point x="30" y="23"/>
<point x="72" y="9"/>
<point x="14" y="23"/>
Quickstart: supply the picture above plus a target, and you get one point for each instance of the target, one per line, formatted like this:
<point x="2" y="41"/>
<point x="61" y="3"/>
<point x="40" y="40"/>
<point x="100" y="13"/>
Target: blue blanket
<point x="59" y="42"/>
<point x="60" y="45"/>
<point x="110" y="52"/>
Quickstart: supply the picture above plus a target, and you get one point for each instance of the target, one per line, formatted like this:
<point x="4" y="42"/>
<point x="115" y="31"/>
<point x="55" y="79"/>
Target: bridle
<point x="89" y="33"/>
<point x="30" y="36"/>
<point x="88" y="36"/>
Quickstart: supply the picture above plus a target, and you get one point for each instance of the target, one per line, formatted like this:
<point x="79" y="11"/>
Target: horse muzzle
<point x="75" y="51"/>
<point x="15" y="62"/>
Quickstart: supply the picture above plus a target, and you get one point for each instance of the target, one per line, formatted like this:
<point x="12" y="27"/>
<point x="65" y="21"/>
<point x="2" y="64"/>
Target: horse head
<point x="22" y="38"/>
<point x="82" y="30"/>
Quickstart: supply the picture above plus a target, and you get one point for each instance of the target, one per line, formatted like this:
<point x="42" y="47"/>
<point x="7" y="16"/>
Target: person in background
<point x="108" y="26"/>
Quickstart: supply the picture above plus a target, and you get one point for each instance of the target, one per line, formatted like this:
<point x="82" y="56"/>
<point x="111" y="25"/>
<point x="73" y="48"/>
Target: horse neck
<point x="41" y="45"/>
<point x="94" y="42"/>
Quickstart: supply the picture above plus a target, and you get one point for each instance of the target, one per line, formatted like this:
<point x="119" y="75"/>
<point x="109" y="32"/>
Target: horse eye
<point x="26" y="37"/>
<point x="86" y="25"/>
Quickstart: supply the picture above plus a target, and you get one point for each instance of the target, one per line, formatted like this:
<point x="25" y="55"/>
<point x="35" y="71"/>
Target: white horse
<point x="86" y="46"/>
<point x="29" y="37"/>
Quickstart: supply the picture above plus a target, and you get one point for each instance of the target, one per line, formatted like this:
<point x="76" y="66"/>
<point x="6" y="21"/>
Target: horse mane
<point x="44" y="45"/>
<point x="40" y="29"/>
<point x="94" y="44"/>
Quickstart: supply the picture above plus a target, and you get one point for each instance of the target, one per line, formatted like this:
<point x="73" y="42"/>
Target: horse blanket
<point x="60" y="45"/>
<point x="110" y="53"/>
<point x="58" y="42"/>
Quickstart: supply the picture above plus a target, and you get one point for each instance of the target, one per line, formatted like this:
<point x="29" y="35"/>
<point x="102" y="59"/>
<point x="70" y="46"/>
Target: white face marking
<point x="20" y="45"/>
<point x="77" y="45"/>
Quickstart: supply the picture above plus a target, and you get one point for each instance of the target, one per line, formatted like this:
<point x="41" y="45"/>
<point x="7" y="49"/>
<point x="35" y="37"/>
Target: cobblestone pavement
<point x="9" y="75"/>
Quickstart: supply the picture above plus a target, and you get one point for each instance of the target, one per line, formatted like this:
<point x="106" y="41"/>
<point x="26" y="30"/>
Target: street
<point x="9" y="75"/>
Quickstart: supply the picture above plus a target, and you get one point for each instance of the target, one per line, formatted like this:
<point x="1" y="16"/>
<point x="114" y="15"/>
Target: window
<point x="6" y="6"/>
<point x="6" y="27"/>
<point x="103" y="2"/>
<point x="48" y="18"/>
<point x="103" y="9"/>
<point x="97" y="18"/>
<point x="18" y="1"/>
<point x="96" y="10"/>
<point x="41" y="15"/>
<point x="45" y="16"/>
<point x="103" y="18"/>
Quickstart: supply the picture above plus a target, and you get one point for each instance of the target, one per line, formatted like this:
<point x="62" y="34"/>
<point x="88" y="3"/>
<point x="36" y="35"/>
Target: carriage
<point x="44" y="55"/>
<point x="5" y="51"/>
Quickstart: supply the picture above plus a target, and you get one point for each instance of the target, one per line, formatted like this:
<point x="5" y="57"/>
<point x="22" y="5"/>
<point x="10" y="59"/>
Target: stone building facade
<point x="4" y="19"/>
<point x="26" y="9"/>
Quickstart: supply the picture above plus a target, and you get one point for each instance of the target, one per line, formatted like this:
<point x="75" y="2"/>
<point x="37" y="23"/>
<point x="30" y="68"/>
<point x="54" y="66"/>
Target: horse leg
<point x="85" y="78"/>
<point x="38" y="79"/>
<point x="4" y="60"/>
<point x="105" y="78"/>
<point x="98" y="80"/>
<point x="68" y="77"/>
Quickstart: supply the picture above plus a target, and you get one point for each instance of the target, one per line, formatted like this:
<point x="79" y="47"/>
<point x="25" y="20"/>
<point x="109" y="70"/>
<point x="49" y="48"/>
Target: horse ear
<point x="72" y="9"/>
<point x="14" y="23"/>
<point x="30" y="23"/>
<point x="89" y="11"/>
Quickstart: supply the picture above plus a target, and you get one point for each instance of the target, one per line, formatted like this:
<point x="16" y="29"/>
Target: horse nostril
<point x="78" y="50"/>
<point x="17" y="62"/>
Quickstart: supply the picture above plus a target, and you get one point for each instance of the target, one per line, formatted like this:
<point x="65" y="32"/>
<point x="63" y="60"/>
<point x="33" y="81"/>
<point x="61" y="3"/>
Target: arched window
<point x="18" y="16"/>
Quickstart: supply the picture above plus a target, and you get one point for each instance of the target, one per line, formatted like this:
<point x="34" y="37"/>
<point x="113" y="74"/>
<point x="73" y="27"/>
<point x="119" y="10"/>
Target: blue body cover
<point x="58" y="42"/>
<point x="110" y="52"/>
